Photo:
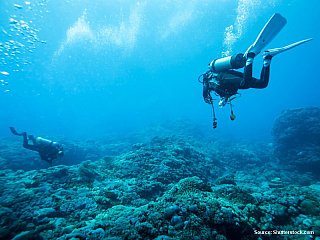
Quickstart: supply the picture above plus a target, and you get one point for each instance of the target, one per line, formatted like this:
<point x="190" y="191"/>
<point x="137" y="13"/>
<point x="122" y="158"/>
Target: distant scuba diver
<point x="226" y="82"/>
<point x="48" y="150"/>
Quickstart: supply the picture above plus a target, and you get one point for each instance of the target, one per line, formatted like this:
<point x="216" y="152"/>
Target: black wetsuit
<point x="47" y="152"/>
<point x="227" y="83"/>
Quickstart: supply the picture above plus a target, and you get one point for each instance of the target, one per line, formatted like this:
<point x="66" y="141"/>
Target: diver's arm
<point x="206" y="94"/>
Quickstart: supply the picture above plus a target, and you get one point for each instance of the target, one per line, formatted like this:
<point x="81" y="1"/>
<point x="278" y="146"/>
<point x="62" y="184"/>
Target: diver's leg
<point x="265" y="73"/>
<point x="247" y="75"/>
<point x="32" y="138"/>
<point x="25" y="140"/>
<point x="27" y="145"/>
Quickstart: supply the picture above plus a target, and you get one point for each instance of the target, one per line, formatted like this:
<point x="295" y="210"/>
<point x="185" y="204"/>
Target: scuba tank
<point x="45" y="142"/>
<point x="55" y="145"/>
<point x="235" y="61"/>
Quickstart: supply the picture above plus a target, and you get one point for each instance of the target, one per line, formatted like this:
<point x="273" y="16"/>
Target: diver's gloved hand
<point x="208" y="100"/>
<point x="223" y="102"/>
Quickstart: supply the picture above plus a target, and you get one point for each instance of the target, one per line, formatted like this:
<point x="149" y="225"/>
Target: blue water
<point x="101" y="67"/>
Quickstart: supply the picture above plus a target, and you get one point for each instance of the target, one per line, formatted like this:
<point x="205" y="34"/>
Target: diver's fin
<point x="15" y="132"/>
<point x="276" y="51"/>
<point x="267" y="34"/>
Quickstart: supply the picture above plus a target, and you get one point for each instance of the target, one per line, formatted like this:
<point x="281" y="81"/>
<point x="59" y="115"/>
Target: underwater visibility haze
<point x="87" y="68"/>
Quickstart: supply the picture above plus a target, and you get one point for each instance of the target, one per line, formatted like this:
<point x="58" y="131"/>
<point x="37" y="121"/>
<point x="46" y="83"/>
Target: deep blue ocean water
<point x="85" y="69"/>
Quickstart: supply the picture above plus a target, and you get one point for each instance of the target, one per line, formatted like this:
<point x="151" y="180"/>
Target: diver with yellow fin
<point x="225" y="82"/>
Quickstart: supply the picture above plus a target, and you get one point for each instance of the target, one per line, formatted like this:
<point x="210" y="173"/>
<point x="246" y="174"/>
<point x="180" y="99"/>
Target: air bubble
<point x="13" y="21"/>
<point x="17" y="6"/>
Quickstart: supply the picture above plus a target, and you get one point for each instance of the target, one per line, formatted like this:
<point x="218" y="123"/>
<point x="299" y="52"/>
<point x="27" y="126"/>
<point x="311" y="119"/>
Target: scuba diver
<point x="48" y="150"/>
<point x="225" y="82"/>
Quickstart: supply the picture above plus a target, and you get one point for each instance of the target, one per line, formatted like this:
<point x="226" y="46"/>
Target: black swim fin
<point x="15" y="132"/>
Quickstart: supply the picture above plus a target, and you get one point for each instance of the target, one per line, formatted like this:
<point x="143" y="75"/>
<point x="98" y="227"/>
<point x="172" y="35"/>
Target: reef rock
<point x="296" y="135"/>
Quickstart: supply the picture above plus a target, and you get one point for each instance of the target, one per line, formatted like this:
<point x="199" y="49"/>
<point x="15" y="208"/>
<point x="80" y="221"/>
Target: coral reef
<point x="58" y="203"/>
<point x="167" y="187"/>
<point x="296" y="134"/>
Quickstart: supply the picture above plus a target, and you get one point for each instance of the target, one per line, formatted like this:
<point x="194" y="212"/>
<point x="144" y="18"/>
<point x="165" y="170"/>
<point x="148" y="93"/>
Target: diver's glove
<point x="208" y="99"/>
<point x="223" y="102"/>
